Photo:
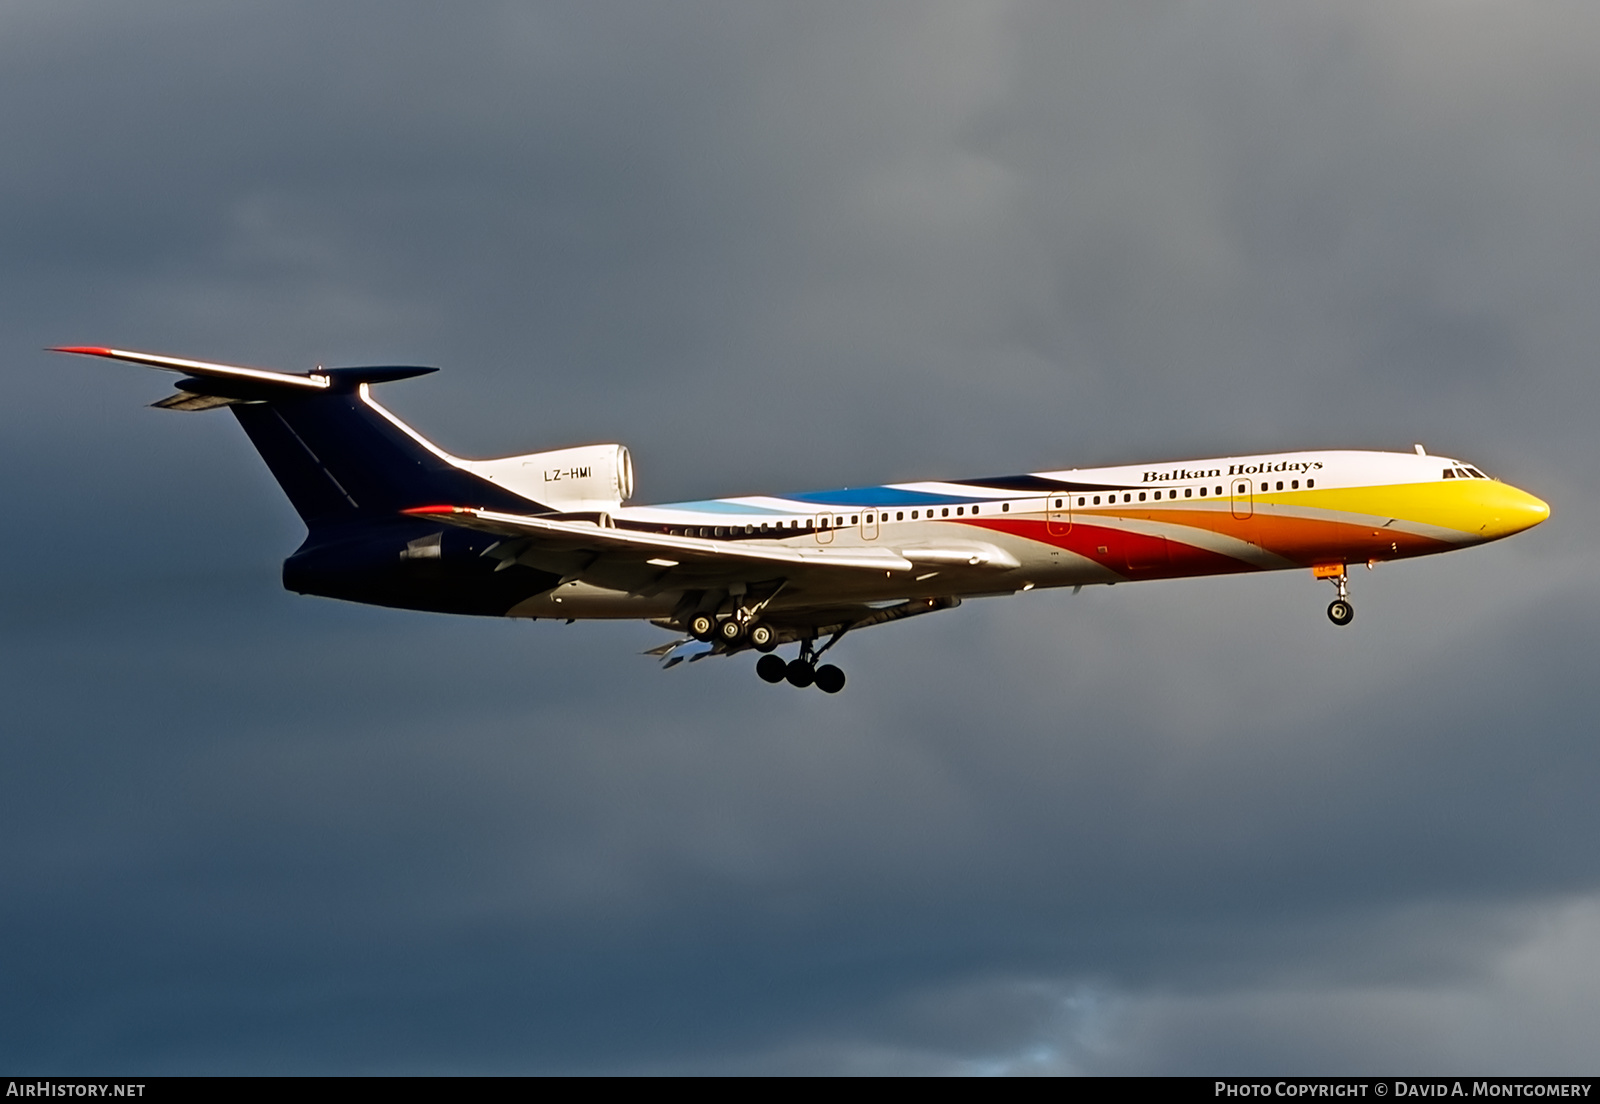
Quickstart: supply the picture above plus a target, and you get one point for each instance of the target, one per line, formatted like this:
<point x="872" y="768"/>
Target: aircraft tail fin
<point x="337" y="454"/>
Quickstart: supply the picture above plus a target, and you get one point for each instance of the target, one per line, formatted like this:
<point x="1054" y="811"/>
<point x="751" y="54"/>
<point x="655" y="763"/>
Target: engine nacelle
<point x="587" y="479"/>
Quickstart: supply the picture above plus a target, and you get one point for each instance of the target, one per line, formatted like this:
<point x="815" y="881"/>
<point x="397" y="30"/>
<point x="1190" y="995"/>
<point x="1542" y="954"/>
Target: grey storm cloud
<point x="1175" y="828"/>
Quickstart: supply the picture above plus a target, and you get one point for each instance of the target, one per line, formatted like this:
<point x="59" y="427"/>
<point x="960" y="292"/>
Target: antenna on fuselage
<point x="1420" y="450"/>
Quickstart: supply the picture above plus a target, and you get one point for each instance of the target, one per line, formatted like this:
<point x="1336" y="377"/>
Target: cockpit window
<point x="1449" y="473"/>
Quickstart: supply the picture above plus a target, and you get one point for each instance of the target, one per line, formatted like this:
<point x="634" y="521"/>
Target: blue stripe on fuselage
<point x="876" y="496"/>
<point x="720" y="506"/>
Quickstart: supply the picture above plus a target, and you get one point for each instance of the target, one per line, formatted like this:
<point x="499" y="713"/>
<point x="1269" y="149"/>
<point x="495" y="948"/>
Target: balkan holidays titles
<point x="1178" y="475"/>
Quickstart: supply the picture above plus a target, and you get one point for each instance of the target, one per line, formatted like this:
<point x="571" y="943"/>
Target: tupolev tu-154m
<point x="393" y="520"/>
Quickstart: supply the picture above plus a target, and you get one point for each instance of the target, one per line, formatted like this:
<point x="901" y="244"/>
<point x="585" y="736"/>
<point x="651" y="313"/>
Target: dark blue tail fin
<point x="339" y="456"/>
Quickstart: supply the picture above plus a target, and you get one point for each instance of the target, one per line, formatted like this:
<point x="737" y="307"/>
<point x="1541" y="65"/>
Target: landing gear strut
<point x="1340" y="611"/>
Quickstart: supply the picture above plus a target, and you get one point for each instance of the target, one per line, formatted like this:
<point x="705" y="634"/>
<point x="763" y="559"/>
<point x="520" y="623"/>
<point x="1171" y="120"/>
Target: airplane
<point x="393" y="520"/>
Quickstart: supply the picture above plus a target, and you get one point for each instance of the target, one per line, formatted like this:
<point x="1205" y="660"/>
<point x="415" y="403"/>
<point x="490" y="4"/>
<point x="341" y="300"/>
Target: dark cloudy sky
<point x="1180" y="827"/>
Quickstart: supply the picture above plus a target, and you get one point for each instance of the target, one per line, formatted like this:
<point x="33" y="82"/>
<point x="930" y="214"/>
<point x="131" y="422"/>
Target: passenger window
<point x="1058" y="504"/>
<point x="1294" y="484"/>
<point x="1005" y="507"/>
<point x="1219" y="490"/>
<point x="838" y="521"/>
<point x="1141" y="496"/>
<point x="1097" y="500"/>
<point x="1310" y="483"/>
<point x="960" y="510"/>
<point x="1188" y="492"/>
<point x="913" y="515"/>
<point x="1280" y="484"/>
<point x="855" y="519"/>
<point x="945" y="512"/>
<point x="899" y="515"/>
<point x="1202" y="492"/>
<point x="974" y="509"/>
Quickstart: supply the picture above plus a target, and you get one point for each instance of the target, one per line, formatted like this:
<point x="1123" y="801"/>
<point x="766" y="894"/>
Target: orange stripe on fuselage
<point x="1305" y="540"/>
<point x="1301" y="540"/>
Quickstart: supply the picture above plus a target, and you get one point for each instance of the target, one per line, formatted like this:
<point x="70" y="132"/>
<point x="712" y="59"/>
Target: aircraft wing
<point x="653" y="563"/>
<point x="658" y="550"/>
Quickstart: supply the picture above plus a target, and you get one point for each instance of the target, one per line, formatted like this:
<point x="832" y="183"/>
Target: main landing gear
<point x="801" y="671"/>
<point x="733" y="631"/>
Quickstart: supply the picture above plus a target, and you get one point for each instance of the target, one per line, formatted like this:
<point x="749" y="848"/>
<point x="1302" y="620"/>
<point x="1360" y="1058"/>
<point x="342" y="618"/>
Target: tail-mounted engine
<point x="587" y="479"/>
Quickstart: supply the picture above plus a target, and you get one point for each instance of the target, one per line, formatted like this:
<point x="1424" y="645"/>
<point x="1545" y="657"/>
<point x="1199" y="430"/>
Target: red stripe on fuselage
<point x="1131" y="555"/>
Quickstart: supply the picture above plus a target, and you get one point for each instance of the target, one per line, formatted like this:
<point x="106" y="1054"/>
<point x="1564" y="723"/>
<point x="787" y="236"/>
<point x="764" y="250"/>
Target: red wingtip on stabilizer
<point x="86" y="350"/>
<point x="434" y="510"/>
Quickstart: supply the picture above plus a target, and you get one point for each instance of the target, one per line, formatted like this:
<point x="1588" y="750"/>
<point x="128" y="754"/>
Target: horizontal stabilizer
<point x="255" y="380"/>
<point x="193" y="403"/>
<point x="201" y="368"/>
<point x="377" y="373"/>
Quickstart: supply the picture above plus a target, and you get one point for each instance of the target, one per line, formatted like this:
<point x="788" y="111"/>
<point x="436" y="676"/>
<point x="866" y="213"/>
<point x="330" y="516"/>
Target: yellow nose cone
<point x="1503" y="510"/>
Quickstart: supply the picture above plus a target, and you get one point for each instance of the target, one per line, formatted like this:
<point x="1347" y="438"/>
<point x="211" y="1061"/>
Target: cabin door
<point x="1058" y="515"/>
<point x="1243" y="504"/>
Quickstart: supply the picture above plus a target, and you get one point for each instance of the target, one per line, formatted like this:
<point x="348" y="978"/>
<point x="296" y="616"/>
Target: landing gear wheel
<point x="772" y="668"/>
<point x="829" y="679"/>
<point x="730" y="631"/>
<point x="702" y="626"/>
<point x="763" y="638"/>
<point x="800" y="673"/>
<point x="1340" y="612"/>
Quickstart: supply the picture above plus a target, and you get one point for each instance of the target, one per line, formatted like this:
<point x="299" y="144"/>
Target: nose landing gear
<point x="1340" y="611"/>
